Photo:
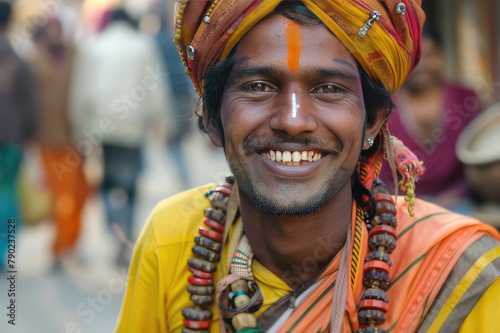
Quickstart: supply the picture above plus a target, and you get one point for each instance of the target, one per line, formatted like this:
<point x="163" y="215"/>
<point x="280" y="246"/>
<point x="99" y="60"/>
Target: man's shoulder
<point x="432" y="225"/>
<point x="177" y="219"/>
<point x="439" y="253"/>
<point x="430" y="217"/>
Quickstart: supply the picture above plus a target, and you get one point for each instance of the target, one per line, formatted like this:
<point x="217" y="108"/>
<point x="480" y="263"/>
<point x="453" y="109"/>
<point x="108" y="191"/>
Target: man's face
<point x="294" y="94"/>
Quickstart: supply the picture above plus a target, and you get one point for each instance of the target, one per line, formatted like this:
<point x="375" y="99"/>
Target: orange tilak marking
<point x="294" y="37"/>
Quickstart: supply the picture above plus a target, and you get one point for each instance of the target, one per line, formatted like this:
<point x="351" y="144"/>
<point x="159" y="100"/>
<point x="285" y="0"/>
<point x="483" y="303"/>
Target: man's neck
<point x="297" y="249"/>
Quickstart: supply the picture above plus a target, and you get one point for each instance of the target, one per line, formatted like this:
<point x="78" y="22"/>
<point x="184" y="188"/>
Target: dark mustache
<point x="251" y="145"/>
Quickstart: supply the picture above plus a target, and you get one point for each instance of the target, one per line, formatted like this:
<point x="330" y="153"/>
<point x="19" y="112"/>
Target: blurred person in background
<point x="17" y="118"/>
<point x="119" y="87"/>
<point x="430" y="114"/>
<point x="52" y="64"/>
<point x="183" y="101"/>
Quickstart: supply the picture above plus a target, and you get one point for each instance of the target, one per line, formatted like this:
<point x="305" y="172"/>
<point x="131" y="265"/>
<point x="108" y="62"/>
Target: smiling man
<point x="303" y="237"/>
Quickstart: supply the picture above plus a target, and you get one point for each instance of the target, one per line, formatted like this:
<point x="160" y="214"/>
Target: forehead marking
<point x="294" y="41"/>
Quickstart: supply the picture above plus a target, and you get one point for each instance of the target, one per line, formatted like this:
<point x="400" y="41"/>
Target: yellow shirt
<point x="156" y="290"/>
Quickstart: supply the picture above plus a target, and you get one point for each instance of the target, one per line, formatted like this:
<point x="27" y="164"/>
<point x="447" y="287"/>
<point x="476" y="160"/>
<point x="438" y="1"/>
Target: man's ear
<point x="373" y="130"/>
<point x="214" y="135"/>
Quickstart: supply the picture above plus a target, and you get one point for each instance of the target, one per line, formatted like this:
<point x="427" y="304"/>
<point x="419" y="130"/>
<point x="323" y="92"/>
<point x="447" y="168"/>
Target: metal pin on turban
<point x="401" y="8"/>
<point x="374" y="15"/>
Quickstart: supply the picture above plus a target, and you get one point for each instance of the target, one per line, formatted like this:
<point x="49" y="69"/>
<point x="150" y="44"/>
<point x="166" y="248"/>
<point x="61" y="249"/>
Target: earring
<point x="371" y="142"/>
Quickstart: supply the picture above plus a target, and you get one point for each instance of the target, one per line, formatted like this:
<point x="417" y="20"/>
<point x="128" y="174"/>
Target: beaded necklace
<point x="243" y="298"/>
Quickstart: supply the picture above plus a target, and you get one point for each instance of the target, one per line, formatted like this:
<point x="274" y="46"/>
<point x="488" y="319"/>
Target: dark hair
<point x="375" y="97"/>
<point x="5" y="12"/>
<point x="430" y="32"/>
<point x="121" y="15"/>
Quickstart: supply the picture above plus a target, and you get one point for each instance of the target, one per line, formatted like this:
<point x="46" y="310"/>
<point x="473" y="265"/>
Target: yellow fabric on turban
<point x="206" y="31"/>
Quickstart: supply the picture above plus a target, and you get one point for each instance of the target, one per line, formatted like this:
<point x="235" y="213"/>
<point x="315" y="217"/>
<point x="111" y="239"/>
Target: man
<point x="296" y="109"/>
<point x="51" y="64"/>
<point x="119" y="87"/>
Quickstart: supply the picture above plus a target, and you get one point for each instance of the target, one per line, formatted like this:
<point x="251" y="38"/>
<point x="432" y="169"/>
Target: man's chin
<point x="283" y="207"/>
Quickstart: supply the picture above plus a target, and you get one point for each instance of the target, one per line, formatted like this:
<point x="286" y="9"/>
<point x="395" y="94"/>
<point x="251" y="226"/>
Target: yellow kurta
<point x="156" y="288"/>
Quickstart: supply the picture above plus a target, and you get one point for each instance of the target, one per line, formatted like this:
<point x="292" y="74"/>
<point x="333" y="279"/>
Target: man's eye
<point x="328" y="89"/>
<point x="259" y="87"/>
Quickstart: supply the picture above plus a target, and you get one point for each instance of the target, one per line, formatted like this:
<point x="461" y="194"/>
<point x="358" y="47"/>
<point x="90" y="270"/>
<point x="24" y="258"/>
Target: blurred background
<point x="97" y="126"/>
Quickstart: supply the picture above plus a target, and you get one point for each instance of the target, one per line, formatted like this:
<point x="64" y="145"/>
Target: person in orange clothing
<point x="63" y="166"/>
<point x="304" y="237"/>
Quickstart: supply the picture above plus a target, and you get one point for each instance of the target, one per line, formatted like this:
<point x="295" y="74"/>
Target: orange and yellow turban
<point x="206" y="31"/>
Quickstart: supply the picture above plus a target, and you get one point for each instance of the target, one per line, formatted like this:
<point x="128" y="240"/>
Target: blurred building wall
<point x="470" y="34"/>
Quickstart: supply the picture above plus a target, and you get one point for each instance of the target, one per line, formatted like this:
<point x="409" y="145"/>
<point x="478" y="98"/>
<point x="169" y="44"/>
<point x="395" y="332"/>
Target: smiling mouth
<point x="289" y="158"/>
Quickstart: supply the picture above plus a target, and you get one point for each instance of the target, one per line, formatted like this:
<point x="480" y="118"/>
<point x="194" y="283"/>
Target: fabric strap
<point x="341" y="289"/>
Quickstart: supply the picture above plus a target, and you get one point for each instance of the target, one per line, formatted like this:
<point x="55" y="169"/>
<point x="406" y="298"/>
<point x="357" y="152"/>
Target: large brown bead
<point x="378" y="187"/>
<point x="371" y="317"/>
<point x="386" y="240"/>
<point x="243" y="321"/>
<point x="374" y="293"/>
<point x="202" y="265"/>
<point x="386" y="219"/>
<point x="202" y="299"/>
<point x="229" y="179"/>
<point x="239" y="285"/>
<point x="377" y="278"/>
<point x="385" y="207"/>
<point x="205" y="253"/>
<point x="377" y="255"/>
<point x="215" y="214"/>
<point x="197" y="313"/>
<point x="200" y="290"/>
<point x="208" y="243"/>
<point x="218" y="200"/>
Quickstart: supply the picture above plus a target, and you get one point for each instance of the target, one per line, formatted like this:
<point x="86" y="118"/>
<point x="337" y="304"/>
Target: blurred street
<point x="83" y="293"/>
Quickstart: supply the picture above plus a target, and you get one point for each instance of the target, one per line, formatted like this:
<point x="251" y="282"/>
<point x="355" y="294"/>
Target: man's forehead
<point x="281" y="40"/>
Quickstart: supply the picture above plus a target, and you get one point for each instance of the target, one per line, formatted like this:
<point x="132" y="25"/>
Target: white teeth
<point x="278" y="156"/>
<point x="316" y="157"/>
<point x="296" y="156"/>
<point x="292" y="158"/>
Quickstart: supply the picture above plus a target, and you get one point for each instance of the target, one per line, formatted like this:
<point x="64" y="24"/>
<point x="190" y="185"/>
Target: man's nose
<point x="294" y="115"/>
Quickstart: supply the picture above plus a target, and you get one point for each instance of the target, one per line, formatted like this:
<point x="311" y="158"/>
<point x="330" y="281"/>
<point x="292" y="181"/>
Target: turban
<point x="383" y="36"/>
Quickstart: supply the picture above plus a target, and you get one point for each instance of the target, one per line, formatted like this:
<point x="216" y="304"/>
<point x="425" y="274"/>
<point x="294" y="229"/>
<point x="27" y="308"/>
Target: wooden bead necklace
<point x="244" y="298"/>
<point x="382" y="238"/>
